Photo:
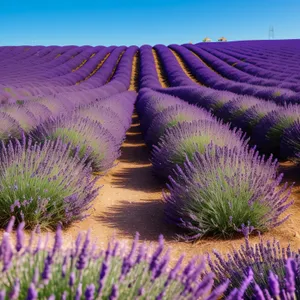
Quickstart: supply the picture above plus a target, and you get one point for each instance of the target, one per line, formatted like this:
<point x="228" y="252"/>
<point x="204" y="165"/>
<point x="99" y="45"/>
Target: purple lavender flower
<point x="58" y="239"/>
<point x="64" y="296"/>
<point x="155" y="257"/>
<point x="9" y="128"/>
<point x="274" y="285"/>
<point x="2" y="294"/>
<point x="275" y="270"/>
<point x="191" y="282"/>
<point x="90" y="137"/>
<point x="67" y="185"/>
<point x="83" y="257"/>
<point x="25" y="118"/>
<point x="6" y="253"/>
<point x="103" y="275"/>
<point x="78" y="292"/>
<point x="72" y="279"/>
<point x="32" y="293"/>
<point x="270" y="130"/>
<point x="40" y="111"/>
<point x="290" y="142"/>
<point x="291" y="271"/>
<point x="46" y="274"/>
<point x="237" y="107"/>
<point x="89" y="292"/>
<point x="184" y="139"/>
<point x="106" y="117"/>
<point x="151" y="103"/>
<point x="20" y="236"/>
<point x="10" y="224"/>
<point x="254" y="114"/>
<point x="170" y="117"/>
<point x="201" y="191"/>
<point x="14" y="294"/>
<point x="114" y="293"/>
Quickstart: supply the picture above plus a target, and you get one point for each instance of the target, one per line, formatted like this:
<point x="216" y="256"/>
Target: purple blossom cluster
<point x="30" y="271"/>
<point x="223" y="83"/>
<point x="148" y="73"/>
<point x="41" y="183"/>
<point x="221" y="76"/>
<point x="217" y="183"/>
<point x="72" y="95"/>
<point x="220" y="190"/>
<point x="262" y="59"/>
<point x="266" y="123"/>
<point x="75" y="100"/>
<point x="186" y="138"/>
<point x="265" y="270"/>
<point x="90" y="138"/>
<point x="172" y="116"/>
<point x="34" y="270"/>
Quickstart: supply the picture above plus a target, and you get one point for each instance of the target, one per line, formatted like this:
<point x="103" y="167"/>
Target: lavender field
<point x="152" y="152"/>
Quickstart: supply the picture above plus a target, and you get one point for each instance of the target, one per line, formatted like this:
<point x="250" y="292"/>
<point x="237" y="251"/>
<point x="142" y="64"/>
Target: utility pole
<point x="271" y="33"/>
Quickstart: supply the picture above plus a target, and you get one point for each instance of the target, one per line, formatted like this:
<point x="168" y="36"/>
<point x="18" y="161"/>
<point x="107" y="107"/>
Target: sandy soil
<point x="131" y="200"/>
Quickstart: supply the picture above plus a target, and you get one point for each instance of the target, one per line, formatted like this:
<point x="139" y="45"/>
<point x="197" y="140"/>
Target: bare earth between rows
<point x="130" y="201"/>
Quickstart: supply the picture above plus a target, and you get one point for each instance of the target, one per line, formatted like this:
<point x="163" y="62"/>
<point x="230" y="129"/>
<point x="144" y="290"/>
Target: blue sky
<point x="120" y="22"/>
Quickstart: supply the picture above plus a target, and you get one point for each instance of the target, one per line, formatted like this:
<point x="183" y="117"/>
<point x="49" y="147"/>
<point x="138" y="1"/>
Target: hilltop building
<point x="206" y="40"/>
<point x="222" y="39"/>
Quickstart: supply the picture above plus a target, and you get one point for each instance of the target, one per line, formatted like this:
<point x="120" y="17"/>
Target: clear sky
<point x="120" y="22"/>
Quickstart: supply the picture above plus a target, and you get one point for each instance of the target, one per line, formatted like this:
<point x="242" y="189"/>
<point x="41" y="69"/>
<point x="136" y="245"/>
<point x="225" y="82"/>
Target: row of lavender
<point x="225" y="69"/>
<point x="35" y="270"/>
<point x="50" y="145"/>
<point x="37" y="108"/>
<point x="195" y="137"/>
<point x="273" y="128"/>
<point x="277" y="60"/>
<point x="63" y="74"/>
<point x="217" y="182"/>
<point x="53" y="67"/>
<point x="46" y="177"/>
<point x="207" y="76"/>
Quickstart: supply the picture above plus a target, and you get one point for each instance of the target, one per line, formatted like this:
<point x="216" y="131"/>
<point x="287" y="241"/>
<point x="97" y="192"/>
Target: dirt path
<point x="185" y="68"/>
<point x="130" y="201"/>
<point x="160" y="70"/>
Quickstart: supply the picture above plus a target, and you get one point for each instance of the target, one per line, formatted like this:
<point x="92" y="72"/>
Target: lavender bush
<point x="23" y="116"/>
<point x="56" y="105"/>
<point x="106" y="117"/>
<point x="269" y="131"/>
<point x="9" y="128"/>
<point x="237" y="107"/>
<point x="170" y="117"/>
<point x="83" y="272"/>
<point x="290" y="142"/>
<point x="184" y="139"/>
<point x="42" y="184"/>
<point x="271" y="271"/>
<point x="253" y="115"/>
<point x="156" y="103"/>
<point x="93" y="140"/>
<point x="216" y="194"/>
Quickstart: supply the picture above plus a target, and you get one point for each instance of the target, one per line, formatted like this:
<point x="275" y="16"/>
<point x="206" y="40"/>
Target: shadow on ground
<point x="145" y="217"/>
<point x="137" y="179"/>
<point x="291" y="173"/>
<point x="135" y="154"/>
